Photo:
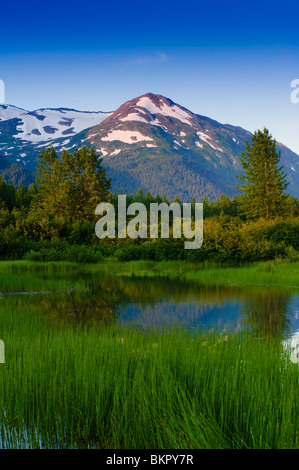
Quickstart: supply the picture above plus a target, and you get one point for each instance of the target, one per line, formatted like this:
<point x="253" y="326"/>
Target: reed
<point x="25" y="276"/>
<point x="266" y="273"/>
<point x="64" y="386"/>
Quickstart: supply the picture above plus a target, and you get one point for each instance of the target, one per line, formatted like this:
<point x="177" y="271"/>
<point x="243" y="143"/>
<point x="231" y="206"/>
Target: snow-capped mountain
<point x="10" y="112"/>
<point x="149" y="141"/>
<point x="154" y="143"/>
<point x="23" y="131"/>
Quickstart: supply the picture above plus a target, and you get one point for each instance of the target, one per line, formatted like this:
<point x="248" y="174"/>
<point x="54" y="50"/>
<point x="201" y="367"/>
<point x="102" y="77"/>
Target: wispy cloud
<point x="146" y="59"/>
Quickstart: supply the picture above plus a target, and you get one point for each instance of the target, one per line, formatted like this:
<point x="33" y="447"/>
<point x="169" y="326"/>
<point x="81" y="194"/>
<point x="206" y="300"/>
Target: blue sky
<point x="232" y="60"/>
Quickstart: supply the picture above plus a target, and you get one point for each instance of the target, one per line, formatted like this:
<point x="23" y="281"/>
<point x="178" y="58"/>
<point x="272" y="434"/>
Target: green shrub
<point x="74" y="253"/>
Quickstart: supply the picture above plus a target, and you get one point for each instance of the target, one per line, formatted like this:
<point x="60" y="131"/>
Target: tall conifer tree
<point x="263" y="181"/>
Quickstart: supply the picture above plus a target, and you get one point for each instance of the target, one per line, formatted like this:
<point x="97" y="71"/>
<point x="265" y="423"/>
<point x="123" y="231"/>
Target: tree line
<point x="54" y="218"/>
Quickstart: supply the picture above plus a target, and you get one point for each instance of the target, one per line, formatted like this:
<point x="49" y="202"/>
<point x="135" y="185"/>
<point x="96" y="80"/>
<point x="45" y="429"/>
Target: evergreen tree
<point x="263" y="181"/>
<point x="7" y="194"/>
<point x="48" y="179"/>
<point x="140" y="196"/>
<point x="23" y="198"/>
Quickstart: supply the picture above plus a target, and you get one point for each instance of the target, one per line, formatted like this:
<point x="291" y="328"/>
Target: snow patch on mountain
<point x="115" y="152"/>
<point x="134" y="117"/>
<point x="48" y="124"/>
<point x="164" y="109"/>
<point x="10" y="112"/>
<point x="206" y="138"/>
<point x="129" y="137"/>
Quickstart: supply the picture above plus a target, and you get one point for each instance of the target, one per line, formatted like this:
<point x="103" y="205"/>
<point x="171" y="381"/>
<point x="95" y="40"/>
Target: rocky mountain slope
<point x="149" y="141"/>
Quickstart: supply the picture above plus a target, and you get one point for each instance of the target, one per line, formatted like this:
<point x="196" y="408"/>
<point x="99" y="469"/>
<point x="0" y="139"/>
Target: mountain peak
<point x="151" y="108"/>
<point x="152" y="101"/>
<point x="157" y="99"/>
<point x="149" y="141"/>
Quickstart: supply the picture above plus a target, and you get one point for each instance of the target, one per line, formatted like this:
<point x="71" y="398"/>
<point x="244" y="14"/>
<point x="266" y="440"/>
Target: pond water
<point x="82" y="299"/>
<point x="143" y="302"/>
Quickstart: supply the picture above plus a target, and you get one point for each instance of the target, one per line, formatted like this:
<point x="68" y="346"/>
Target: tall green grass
<point x="66" y="386"/>
<point x="266" y="273"/>
<point x="25" y="276"/>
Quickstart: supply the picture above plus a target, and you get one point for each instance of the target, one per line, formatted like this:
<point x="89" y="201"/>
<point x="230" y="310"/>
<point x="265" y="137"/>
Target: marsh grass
<point x="25" y="265"/>
<point x="64" y="386"/>
<point x="266" y="273"/>
<point x="25" y="276"/>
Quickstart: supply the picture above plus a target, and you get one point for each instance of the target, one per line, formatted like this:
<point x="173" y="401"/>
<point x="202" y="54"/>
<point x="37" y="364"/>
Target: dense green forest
<point x="54" y="218"/>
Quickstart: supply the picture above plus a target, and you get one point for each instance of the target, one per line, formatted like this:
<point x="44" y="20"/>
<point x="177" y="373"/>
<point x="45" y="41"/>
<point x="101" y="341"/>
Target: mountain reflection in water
<point x="161" y="302"/>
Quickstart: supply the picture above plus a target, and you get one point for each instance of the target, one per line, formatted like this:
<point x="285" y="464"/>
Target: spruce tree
<point x="263" y="180"/>
<point x="48" y="178"/>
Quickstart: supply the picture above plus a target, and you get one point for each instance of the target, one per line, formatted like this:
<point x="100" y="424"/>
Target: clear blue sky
<point x="232" y="60"/>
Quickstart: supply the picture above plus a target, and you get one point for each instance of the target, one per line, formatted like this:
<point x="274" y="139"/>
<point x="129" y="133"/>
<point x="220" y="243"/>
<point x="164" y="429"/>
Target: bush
<point x="73" y="253"/>
<point x="128" y="253"/>
<point x="12" y="245"/>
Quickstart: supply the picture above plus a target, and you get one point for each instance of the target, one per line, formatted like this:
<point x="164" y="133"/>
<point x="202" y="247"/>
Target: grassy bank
<point x="25" y="276"/>
<point x="74" y="387"/>
<point x="265" y="273"/>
